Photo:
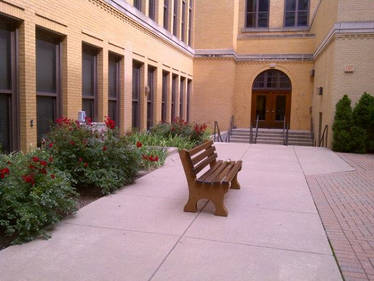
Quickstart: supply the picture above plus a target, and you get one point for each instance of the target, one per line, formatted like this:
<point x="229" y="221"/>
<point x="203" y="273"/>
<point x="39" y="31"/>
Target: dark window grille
<point x="89" y="82"/>
<point x="272" y="79"/>
<point x="165" y="84"/>
<point x="174" y="97"/>
<point x="48" y="80"/>
<point x="189" y="88"/>
<point x="257" y="14"/>
<point x="190" y="23"/>
<point x="150" y="96"/>
<point x="8" y="86"/>
<point x="114" y="88"/>
<point x="296" y="13"/>
<point x="175" y="18"/>
<point x="183" y="22"/>
<point x="166" y="14"/>
<point x="152" y="9"/>
<point x="138" y="4"/>
<point x="181" y="98"/>
<point x="136" y="84"/>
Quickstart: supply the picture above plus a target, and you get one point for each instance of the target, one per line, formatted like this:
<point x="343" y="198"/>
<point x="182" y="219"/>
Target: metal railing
<point x="323" y="140"/>
<point x="285" y="131"/>
<point x="312" y="131"/>
<point x="256" y="135"/>
<point x="229" y="132"/>
<point x="217" y="133"/>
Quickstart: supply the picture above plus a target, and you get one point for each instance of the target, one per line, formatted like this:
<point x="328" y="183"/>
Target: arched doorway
<point x="271" y="99"/>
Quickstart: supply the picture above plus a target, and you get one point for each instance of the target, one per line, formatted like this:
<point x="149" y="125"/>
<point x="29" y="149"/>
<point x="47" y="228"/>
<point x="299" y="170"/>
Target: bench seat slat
<point x="210" y="171"/>
<point x="205" y="163"/>
<point x="213" y="176"/>
<point x="199" y="148"/>
<point x="201" y="156"/>
<point x="222" y="175"/>
<point x="234" y="170"/>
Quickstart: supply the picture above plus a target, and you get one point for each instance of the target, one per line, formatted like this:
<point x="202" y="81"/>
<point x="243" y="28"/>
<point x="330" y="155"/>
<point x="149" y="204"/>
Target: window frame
<point x="183" y="21"/>
<point x="138" y="4"/>
<point x="256" y="13"/>
<point x="95" y="53"/>
<point x="189" y="90"/>
<point x="49" y="36"/>
<point x="151" y="73"/>
<point x="174" y="93"/>
<point x="164" y="95"/>
<point x="175" y="17"/>
<point x="136" y="122"/>
<point x="277" y="80"/>
<point x="296" y="15"/>
<point x="182" y="85"/>
<point x="189" y="32"/>
<point x="12" y="94"/>
<point x="152" y="9"/>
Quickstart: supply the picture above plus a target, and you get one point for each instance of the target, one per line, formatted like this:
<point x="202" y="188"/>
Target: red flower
<point x="138" y="144"/>
<point x="2" y="176"/>
<point x="43" y="171"/>
<point x="35" y="159"/>
<point x="151" y="158"/>
<point x="32" y="167"/>
<point x="29" y="179"/>
<point x="50" y="159"/>
<point x="156" y="158"/>
<point x="72" y="142"/>
<point x="80" y="159"/>
<point x="50" y="145"/>
<point x="53" y="176"/>
<point x="145" y="157"/>
<point x="85" y="164"/>
<point x="110" y="123"/>
<point x="9" y="163"/>
<point x="88" y="121"/>
<point x="104" y="148"/>
<point x="43" y="163"/>
<point x="5" y="171"/>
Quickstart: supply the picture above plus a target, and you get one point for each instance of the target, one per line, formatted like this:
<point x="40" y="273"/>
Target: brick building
<point x="146" y="61"/>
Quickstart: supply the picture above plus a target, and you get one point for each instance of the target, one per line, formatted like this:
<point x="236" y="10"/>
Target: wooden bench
<point x="214" y="182"/>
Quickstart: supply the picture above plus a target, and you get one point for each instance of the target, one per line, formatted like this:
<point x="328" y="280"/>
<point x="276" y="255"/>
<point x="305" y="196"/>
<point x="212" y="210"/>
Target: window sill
<point x="281" y="29"/>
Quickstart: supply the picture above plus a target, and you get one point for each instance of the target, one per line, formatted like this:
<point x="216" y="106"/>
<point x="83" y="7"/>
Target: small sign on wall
<point x="349" y="68"/>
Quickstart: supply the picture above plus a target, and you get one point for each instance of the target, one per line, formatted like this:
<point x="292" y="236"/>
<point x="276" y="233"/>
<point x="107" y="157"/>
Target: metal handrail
<point x="229" y="132"/>
<point x="323" y="140"/>
<point x="312" y="129"/>
<point x="217" y="133"/>
<point x="257" y="119"/>
<point x="251" y="133"/>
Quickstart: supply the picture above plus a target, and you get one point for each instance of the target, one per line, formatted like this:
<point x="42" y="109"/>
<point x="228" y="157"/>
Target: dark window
<point x="138" y="4"/>
<point x="89" y="81"/>
<point x="181" y="98"/>
<point x="136" y="83"/>
<point x="150" y="96"/>
<point x="257" y="13"/>
<point x="183" y="22"/>
<point x="164" y="103"/>
<point x="272" y="79"/>
<point x="166" y="14"/>
<point x="175" y="18"/>
<point x="152" y="9"/>
<point x="174" y="97"/>
<point x="114" y="88"/>
<point x="189" y="89"/>
<point x="47" y="81"/>
<point x="296" y="13"/>
<point x="190" y="23"/>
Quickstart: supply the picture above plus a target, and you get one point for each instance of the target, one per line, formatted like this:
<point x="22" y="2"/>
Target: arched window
<point x="272" y="79"/>
<point x="296" y="13"/>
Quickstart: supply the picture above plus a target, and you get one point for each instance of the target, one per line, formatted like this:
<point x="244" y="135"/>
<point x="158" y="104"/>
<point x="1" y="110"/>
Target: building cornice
<point x="138" y="17"/>
<point x="344" y="28"/>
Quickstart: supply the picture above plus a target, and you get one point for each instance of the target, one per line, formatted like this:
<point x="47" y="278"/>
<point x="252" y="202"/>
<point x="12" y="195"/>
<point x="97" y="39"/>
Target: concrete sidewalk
<point x="273" y="231"/>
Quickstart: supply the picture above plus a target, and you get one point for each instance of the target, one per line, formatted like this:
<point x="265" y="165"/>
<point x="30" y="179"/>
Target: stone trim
<point x="344" y="28"/>
<point x="283" y="35"/>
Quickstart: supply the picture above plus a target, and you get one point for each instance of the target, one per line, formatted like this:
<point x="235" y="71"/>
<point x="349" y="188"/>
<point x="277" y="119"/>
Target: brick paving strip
<point x="345" y="202"/>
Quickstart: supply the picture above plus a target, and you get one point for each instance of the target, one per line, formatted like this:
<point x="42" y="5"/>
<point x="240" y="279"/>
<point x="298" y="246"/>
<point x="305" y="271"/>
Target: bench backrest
<point x="196" y="159"/>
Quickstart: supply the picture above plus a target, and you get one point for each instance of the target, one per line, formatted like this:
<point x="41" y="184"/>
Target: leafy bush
<point x="33" y="194"/>
<point x="363" y="117"/>
<point x="97" y="158"/>
<point x="342" y="126"/>
<point x="152" y="157"/>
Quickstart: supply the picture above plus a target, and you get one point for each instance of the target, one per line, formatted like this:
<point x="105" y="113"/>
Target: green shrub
<point x="342" y="126"/>
<point x="94" y="158"/>
<point x="33" y="194"/>
<point x="152" y="156"/>
<point x="358" y="139"/>
<point x="363" y="117"/>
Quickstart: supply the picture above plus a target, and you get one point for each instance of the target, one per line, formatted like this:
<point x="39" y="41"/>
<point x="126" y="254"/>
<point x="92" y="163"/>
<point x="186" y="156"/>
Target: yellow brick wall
<point x="98" y="24"/>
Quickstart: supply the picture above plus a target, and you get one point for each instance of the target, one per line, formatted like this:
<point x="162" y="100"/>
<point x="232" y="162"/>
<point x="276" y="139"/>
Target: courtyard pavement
<point x="273" y="230"/>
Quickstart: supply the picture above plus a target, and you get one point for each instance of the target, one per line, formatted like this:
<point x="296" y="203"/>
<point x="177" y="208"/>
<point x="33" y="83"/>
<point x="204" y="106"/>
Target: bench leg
<point x="191" y="205"/>
<point x="235" y="184"/>
<point x="219" y="204"/>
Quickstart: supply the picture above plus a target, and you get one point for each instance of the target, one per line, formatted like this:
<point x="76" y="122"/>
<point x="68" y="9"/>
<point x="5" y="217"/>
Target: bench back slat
<point x="187" y="165"/>
<point x="199" y="148"/>
<point x="201" y="156"/>
<point x="205" y="163"/>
